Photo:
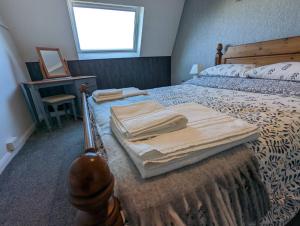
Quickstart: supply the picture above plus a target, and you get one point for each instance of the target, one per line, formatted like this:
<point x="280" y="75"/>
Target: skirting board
<point x="6" y="159"/>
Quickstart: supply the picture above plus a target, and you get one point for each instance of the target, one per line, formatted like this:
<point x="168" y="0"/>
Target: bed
<point x="99" y="196"/>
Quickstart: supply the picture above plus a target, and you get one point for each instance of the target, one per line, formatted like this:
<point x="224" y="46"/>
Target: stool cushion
<point x="58" y="98"/>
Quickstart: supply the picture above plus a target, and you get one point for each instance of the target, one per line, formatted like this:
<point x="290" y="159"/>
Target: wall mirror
<point x="52" y="63"/>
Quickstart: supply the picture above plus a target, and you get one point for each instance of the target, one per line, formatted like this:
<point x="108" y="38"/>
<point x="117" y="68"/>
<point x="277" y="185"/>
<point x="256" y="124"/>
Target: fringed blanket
<point x="223" y="190"/>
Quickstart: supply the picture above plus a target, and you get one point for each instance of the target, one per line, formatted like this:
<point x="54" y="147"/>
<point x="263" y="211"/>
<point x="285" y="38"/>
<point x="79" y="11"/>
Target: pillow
<point x="232" y="70"/>
<point x="289" y="71"/>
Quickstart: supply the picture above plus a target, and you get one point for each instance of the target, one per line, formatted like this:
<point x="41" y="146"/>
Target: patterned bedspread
<point x="278" y="116"/>
<point x="277" y="149"/>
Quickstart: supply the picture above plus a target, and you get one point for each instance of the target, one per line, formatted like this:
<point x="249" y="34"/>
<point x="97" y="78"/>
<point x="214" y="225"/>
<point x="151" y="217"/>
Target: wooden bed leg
<point x="219" y="54"/>
<point x="91" y="186"/>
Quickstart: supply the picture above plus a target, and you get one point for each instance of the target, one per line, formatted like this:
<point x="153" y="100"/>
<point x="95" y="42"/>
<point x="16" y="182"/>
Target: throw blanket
<point x="145" y="120"/>
<point x="220" y="191"/>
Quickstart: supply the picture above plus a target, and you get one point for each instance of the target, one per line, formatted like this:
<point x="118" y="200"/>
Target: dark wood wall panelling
<point x="142" y="72"/>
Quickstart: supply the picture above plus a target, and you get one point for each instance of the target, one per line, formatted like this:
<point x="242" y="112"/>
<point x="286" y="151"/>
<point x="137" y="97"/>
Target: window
<point x="104" y="30"/>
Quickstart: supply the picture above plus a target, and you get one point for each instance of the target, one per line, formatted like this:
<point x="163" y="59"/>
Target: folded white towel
<point x="132" y="91"/>
<point x="153" y="168"/>
<point x="107" y="98"/>
<point x="136" y="109"/>
<point x="115" y="94"/>
<point x="207" y="129"/>
<point x="150" y="125"/>
<point x="146" y="120"/>
<point x="107" y="92"/>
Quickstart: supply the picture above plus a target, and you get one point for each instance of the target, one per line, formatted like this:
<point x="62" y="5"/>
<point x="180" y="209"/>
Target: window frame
<point x="97" y="5"/>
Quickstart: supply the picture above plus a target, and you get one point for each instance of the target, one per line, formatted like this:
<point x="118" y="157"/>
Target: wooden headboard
<point x="261" y="53"/>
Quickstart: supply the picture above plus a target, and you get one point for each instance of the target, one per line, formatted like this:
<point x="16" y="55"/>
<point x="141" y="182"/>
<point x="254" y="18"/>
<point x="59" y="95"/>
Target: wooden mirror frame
<point x="43" y="67"/>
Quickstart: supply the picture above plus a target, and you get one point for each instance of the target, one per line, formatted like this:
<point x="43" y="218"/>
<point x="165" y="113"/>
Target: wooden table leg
<point x="40" y="106"/>
<point x="74" y="110"/>
<point x="27" y="99"/>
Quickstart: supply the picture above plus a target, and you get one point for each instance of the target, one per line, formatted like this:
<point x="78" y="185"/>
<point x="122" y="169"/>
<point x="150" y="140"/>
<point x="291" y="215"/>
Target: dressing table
<point x="56" y="73"/>
<point x="71" y="85"/>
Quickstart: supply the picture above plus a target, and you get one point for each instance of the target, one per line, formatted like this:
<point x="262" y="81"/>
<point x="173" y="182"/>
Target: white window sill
<point x="90" y="56"/>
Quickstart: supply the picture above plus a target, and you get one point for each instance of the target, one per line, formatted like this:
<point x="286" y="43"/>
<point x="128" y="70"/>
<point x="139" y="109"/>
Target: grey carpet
<point x="33" y="188"/>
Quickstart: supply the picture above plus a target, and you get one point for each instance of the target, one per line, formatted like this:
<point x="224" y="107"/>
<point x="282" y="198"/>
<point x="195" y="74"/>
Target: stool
<point x="57" y="100"/>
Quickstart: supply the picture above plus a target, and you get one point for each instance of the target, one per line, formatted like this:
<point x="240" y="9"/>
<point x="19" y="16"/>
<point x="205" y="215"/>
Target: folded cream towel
<point x="132" y="91"/>
<point x="107" y="92"/>
<point x="201" y="152"/>
<point x="136" y="109"/>
<point x="115" y="94"/>
<point x="206" y="129"/>
<point x="146" y="120"/>
<point x="100" y="99"/>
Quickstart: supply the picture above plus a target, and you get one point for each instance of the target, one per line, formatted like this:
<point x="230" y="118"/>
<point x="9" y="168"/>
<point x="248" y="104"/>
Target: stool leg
<point x="55" y="106"/>
<point x="74" y="110"/>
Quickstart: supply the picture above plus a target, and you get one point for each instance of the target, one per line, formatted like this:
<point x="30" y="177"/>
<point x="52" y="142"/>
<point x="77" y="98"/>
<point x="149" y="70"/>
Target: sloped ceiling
<point x="46" y="23"/>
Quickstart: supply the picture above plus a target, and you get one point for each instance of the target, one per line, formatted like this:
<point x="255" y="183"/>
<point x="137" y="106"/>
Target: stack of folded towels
<point x="115" y="94"/>
<point x="160" y="139"/>
<point x="146" y="120"/>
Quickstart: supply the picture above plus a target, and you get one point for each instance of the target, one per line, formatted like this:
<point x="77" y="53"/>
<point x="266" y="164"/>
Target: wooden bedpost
<point x="219" y="54"/>
<point x="91" y="184"/>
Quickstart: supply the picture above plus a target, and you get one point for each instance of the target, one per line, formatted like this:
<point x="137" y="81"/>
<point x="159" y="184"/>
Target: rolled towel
<point x="146" y="120"/>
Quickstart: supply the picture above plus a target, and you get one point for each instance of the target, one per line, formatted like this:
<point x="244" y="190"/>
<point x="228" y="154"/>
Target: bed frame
<point x="91" y="184"/>
<point x="261" y="53"/>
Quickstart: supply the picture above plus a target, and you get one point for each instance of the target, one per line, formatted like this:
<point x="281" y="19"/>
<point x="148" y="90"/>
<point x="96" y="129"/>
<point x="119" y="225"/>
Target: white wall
<point x="46" y="23"/>
<point x="15" y="118"/>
